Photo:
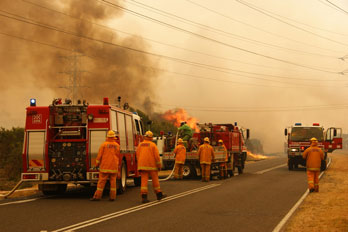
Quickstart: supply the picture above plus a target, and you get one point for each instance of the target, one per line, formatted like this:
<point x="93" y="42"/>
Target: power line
<point x="269" y="14"/>
<point x="260" y="110"/>
<point x="148" y="39"/>
<point x="215" y="68"/>
<point x="337" y="7"/>
<point x="260" y="29"/>
<point x="225" y="33"/>
<point x="113" y="29"/>
<point x="216" y="41"/>
<point x="163" y="70"/>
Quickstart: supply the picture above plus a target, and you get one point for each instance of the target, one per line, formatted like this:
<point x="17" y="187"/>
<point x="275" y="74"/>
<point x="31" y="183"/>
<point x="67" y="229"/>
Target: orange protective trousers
<point x="178" y="171"/>
<point x="205" y="172"/>
<point x="223" y="170"/>
<point x="103" y="177"/>
<point x="313" y="180"/>
<point x="144" y="179"/>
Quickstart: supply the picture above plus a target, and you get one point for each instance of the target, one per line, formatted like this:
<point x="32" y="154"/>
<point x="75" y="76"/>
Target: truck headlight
<point x="294" y="149"/>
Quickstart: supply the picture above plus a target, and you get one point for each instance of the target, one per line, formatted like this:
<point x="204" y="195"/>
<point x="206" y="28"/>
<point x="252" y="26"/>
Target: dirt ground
<point x="327" y="210"/>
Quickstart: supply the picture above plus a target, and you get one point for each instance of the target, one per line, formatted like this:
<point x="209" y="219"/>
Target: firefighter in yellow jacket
<point x="180" y="156"/>
<point x="206" y="156"/>
<point x="223" y="165"/>
<point x="313" y="156"/>
<point x="107" y="161"/>
<point x="148" y="165"/>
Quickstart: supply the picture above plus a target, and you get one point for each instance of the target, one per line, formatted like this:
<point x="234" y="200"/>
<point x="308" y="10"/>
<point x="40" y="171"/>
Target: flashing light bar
<point x="106" y="101"/>
<point x="32" y="102"/>
<point x="298" y="124"/>
<point x="315" y="124"/>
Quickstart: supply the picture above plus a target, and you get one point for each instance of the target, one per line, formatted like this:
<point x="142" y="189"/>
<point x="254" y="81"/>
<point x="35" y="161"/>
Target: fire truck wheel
<point x="323" y="165"/>
<point x="121" y="183"/>
<point x="230" y="173"/>
<point x="137" y="181"/>
<point x="290" y="164"/>
<point x="240" y="170"/>
<point x="189" y="171"/>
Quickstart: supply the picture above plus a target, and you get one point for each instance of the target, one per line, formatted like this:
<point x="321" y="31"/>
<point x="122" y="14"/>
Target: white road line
<point x="294" y="208"/>
<point x="270" y="169"/>
<point x="131" y="210"/>
<point x="18" y="202"/>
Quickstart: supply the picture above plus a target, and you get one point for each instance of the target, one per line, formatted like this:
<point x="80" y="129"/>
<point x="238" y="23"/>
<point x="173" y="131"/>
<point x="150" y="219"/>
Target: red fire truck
<point x="62" y="141"/>
<point x="298" y="140"/>
<point x="233" y="138"/>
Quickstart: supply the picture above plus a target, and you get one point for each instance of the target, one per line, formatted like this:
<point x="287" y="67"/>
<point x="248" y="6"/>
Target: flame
<point x="178" y="115"/>
<point x="256" y="156"/>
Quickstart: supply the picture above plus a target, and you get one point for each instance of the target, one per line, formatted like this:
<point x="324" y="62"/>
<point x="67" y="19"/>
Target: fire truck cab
<point x="298" y="140"/>
<point x="62" y="141"/>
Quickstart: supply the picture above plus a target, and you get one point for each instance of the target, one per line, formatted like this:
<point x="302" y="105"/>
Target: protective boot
<point x="144" y="198"/>
<point x="160" y="195"/>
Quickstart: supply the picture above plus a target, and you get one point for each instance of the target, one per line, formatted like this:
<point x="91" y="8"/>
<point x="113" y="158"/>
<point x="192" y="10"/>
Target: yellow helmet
<point x="220" y="141"/>
<point x="111" y="134"/>
<point x="148" y="134"/>
<point x="180" y="141"/>
<point x="206" y="139"/>
<point x="314" y="139"/>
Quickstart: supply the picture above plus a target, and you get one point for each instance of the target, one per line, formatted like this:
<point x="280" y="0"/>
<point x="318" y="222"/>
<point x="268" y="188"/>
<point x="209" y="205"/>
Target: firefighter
<point x="206" y="156"/>
<point x="185" y="132"/>
<point x="107" y="161"/>
<point x="313" y="156"/>
<point x="148" y="165"/>
<point x="223" y="165"/>
<point x="180" y="156"/>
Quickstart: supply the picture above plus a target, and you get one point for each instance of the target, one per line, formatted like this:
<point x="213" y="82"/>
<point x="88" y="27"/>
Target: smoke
<point x="100" y="70"/>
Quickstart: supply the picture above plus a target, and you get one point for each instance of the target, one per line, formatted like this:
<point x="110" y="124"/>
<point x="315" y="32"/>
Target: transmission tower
<point x="74" y="72"/>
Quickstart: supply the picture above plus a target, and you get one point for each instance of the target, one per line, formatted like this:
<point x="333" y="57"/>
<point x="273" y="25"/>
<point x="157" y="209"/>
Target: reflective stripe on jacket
<point x="108" y="156"/>
<point x="205" y="153"/>
<point x="314" y="155"/>
<point x="148" y="156"/>
<point x="180" y="154"/>
<point x="224" y="149"/>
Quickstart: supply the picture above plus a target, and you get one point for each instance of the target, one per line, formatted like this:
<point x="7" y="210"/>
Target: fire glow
<point x="178" y="115"/>
<point x="252" y="156"/>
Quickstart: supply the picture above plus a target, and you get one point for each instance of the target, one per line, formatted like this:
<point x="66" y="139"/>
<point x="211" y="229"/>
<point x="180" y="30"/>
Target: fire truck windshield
<point x="306" y="133"/>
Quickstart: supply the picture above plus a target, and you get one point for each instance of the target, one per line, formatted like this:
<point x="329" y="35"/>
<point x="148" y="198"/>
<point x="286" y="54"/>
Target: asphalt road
<point x="254" y="201"/>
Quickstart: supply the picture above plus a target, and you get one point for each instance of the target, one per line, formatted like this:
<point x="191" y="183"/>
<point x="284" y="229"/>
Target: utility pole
<point x="74" y="73"/>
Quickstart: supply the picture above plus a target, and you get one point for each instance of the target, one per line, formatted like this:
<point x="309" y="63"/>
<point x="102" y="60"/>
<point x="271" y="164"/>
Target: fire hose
<point x="171" y="173"/>
<point x="12" y="191"/>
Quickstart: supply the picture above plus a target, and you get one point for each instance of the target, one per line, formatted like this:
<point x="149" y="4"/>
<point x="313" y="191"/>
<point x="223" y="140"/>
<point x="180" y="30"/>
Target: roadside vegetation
<point x="11" y="144"/>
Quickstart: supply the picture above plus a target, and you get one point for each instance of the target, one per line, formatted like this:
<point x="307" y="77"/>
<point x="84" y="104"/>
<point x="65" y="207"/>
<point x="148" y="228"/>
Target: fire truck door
<point x="333" y="138"/>
<point x="36" y="150"/>
<point x="97" y="137"/>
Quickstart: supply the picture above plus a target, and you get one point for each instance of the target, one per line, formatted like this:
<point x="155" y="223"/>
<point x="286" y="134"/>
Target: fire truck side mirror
<point x="286" y="132"/>
<point x="248" y="133"/>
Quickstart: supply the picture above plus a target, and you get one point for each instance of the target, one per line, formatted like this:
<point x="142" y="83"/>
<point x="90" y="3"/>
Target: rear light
<point x="30" y="176"/>
<point x="315" y="124"/>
